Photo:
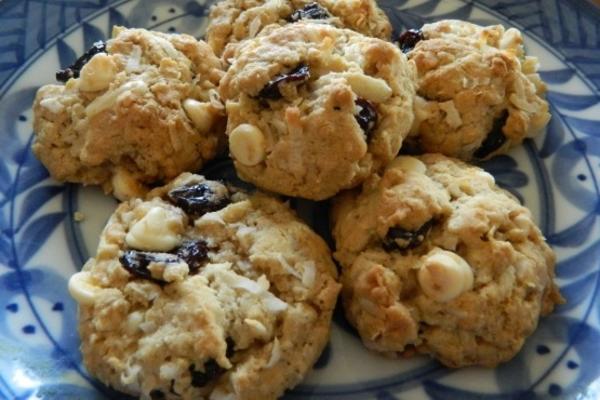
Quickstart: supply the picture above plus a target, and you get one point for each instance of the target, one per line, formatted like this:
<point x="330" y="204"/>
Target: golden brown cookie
<point x="314" y="109"/>
<point x="478" y="93"/>
<point x="436" y="259"/>
<point x="142" y="110"/>
<point x="232" y="21"/>
<point x="202" y="292"/>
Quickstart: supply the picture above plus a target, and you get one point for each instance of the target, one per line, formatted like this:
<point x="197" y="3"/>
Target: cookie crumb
<point x="78" y="216"/>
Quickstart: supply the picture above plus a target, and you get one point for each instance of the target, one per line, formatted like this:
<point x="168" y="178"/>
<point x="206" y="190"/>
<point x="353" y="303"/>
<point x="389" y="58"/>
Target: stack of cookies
<point x="200" y="289"/>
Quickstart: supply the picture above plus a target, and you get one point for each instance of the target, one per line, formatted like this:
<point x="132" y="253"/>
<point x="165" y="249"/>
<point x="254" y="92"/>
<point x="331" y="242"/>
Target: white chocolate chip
<point x="444" y="275"/>
<point x="367" y="87"/>
<point x="200" y="113"/>
<point x="247" y="144"/>
<point x="156" y="231"/>
<point x="98" y="73"/>
<point x="125" y="186"/>
<point x="408" y="164"/>
<point x="82" y="289"/>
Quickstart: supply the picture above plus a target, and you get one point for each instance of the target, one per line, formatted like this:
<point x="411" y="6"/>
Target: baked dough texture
<point x="478" y="92"/>
<point x="313" y="109"/>
<point x="140" y="113"/>
<point x="203" y="292"/>
<point x="436" y="259"/>
<point x="232" y="21"/>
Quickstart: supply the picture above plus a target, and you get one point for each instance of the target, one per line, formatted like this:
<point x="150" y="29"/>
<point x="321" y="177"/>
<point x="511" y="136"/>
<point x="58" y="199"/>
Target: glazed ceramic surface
<point x="556" y="176"/>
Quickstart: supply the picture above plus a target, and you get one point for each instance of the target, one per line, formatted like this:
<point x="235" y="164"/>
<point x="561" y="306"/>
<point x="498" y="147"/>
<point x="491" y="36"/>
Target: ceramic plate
<point x="556" y="176"/>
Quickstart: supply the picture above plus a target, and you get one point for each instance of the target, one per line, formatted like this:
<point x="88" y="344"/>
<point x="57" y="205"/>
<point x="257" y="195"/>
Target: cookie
<point x="200" y="291"/>
<point x="313" y="109"/>
<point x="478" y="92"/>
<point x="139" y="109"/>
<point x="232" y="21"/>
<point x="438" y="260"/>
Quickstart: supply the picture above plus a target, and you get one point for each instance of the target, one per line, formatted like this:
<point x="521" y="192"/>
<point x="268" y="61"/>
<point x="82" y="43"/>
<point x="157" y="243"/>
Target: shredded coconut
<point x="275" y="354"/>
<point x="309" y="274"/>
<point x="52" y="104"/>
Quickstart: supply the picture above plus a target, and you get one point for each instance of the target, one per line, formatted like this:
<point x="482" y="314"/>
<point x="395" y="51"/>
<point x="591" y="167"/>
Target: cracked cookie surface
<point x="436" y="259"/>
<point x="140" y="111"/>
<point x="207" y="298"/>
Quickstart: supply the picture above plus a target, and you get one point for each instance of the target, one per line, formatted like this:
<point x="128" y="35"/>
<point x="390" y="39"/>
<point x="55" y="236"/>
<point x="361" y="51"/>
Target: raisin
<point x="230" y="347"/>
<point x="200" y="198"/>
<point x="310" y="11"/>
<point x="211" y="371"/>
<point x="495" y="139"/>
<point x="72" y="71"/>
<point x="156" y="394"/>
<point x="367" y="116"/>
<point x="271" y="91"/>
<point x="136" y="263"/>
<point x="401" y="239"/>
<point x="172" y="388"/>
<point x="411" y="148"/>
<point x="409" y="39"/>
<point x="194" y="253"/>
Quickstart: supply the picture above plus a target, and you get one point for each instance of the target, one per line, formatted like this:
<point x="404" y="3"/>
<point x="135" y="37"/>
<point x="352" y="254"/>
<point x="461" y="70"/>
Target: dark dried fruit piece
<point x="72" y="71"/>
<point x="411" y="148"/>
<point x="194" y="253"/>
<point x="137" y="262"/>
<point x="211" y="371"/>
<point x="310" y="11"/>
<point x="409" y="39"/>
<point x="271" y="91"/>
<point x="172" y="388"/>
<point x="367" y="116"/>
<point x="495" y="139"/>
<point x="200" y="198"/>
<point x="156" y="394"/>
<point x="401" y="239"/>
<point x="230" y="347"/>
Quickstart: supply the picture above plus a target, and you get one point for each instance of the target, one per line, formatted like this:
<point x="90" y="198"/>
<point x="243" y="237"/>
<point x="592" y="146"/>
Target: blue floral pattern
<point x="555" y="175"/>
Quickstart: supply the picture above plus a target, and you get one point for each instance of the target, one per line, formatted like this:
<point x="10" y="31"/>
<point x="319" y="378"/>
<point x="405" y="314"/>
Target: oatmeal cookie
<point x="232" y="21"/>
<point x="478" y="93"/>
<point x="202" y="292"/>
<point x="438" y="260"/>
<point x="314" y="109"/>
<point x="139" y="109"/>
